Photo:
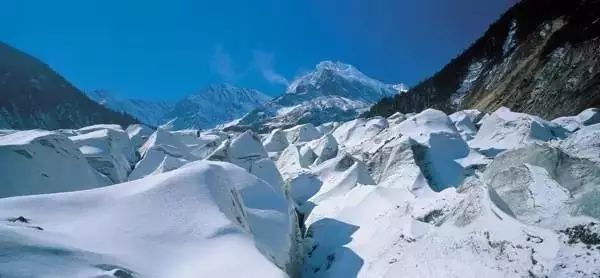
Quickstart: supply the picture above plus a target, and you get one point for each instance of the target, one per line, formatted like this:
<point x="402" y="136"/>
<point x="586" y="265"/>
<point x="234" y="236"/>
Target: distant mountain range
<point x="149" y="112"/>
<point x="212" y="106"/>
<point x="32" y="95"/>
<point x="217" y="104"/>
<point x="541" y="57"/>
<point x="333" y="91"/>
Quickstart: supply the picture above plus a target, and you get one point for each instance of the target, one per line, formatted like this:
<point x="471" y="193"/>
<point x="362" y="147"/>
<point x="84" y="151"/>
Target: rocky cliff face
<point x="540" y="57"/>
<point x="32" y="95"/>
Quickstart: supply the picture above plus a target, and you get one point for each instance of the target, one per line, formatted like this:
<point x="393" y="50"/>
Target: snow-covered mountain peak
<point x="333" y="72"/>
<point x="147" y="111"/>
<point x="339" y="67"/>
<point x="225" y="91"/>
<point x="333" y="91"/>
<point x="214" y="105"/>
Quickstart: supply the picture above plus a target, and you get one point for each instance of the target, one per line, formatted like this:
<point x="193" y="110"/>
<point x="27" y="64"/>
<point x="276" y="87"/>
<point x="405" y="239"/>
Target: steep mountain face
<point x="32" y="95"/>
<point x="146" y="111"/>
<point x="332" y="92"/>
<point x="215" y="105"/>
<point x="540" y="57"/>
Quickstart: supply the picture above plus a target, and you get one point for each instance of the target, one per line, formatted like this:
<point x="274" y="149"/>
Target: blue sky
<point x="167" y="49"/>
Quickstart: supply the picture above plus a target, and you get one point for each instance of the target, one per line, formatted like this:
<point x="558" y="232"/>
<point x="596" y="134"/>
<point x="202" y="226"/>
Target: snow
<point x="138" y="134"/>
<point x="584" y="143"/>
<point x="465" y="122"/>
<point x="442" y="148"/>
<point x="345" y="71"/>
<point x="401" y="88"/>
<point x="276" y="141"/>
<point x="191" y="222"/>
<point x="161" y="152"/>
<point x="302" y="133"/>
<point x="332" y="92"/>
<point x="324" y="148"/>
<point x="589" y="116"/>
<point x="339" y="175"/>
<point x="396" y="118"/>
<point x="410" y="195"/>
<point x="529" y="193"/>
<point x="506" y="130"/>
<point x="247" y="152"/>
<point x="573" y="123"/>
<point x="148" y="112"/>
<point x="109" y="151"/>
<point x="327" y="127"/>
<point x="570" y="123"/>
<point x="356" y="132"/>
<point x="215" y="105"/>
<point x="36" y="161"/>
<point x="474" y="71"/>
<point x="510" y="42"/>
<point x="303" y="186"/>
<point x="93" y="128"/>
<point x="548" y="176"/>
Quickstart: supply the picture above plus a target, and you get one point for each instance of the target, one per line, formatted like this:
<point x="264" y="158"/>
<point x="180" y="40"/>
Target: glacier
<point x="413" y="195"/>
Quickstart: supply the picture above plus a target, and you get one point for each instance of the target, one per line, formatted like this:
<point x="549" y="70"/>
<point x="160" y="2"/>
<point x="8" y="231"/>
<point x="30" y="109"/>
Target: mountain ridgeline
<point x="333" y="91"/>
<point x="541" y="57"/>
<point x="217" y="104"/>
<point x="32" y="95"/>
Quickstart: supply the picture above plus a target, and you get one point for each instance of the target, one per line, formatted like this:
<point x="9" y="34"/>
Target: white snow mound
<point x="36" y="161"/>
<point x="191" y="222"/>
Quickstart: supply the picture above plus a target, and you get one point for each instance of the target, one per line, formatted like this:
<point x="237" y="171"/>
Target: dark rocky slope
<point x="541" y="57"/>
<point x="32" y="95"/>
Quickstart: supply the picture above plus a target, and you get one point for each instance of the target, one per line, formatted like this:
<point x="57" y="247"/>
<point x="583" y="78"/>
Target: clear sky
<point x="165" y="49"/>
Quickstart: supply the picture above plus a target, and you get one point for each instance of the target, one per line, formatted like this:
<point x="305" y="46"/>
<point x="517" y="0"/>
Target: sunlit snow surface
<point x="469" y="194"/>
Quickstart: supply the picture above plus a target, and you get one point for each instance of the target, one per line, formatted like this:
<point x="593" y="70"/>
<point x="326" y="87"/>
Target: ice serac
<point x="291" y="161"/>
<point x="506" y="130"/>
<point x="162" y="152"/>
<point x="36" y="161"/>
<point x="119" y="139"/>
<point x="96" y="148"/>
<point x="302" y="133"/>
<point x="587" y="117"/>
<point x="340" y="175"/>
<point x="584" y="143"/>
<point x="333" y="91"/>
<point x="325" y="148"/>
<point x="409" y="197"/>
<point x="138" y="134"/>
<point x="441" y="152"/>
<point x="150" y="228"/>
<point x="465" y="122"/>
<point x="247" y="152"/>
<point x="541" y="184"/>
<point x="354" y="133"/>
<point x="395" y="165"/>
<point x="276" y="141"/>
<point x="327" y="127"/>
